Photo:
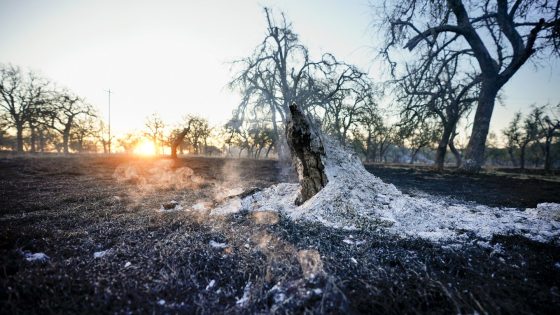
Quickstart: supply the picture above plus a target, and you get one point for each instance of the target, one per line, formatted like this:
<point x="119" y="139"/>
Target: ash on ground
<point x="356" y="199"/>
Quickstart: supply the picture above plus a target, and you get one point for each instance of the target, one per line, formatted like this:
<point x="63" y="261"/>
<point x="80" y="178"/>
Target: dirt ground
<point x="190" y="262"/>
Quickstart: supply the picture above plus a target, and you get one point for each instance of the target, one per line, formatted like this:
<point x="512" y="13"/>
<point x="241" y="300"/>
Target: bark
<point x="456" y="153"/>
<point x="413" y="157"/>
<point x="547" y="160"/>
<point x="33" y="139"/>
<point x="306" y="149"/>
<point x="19" y="137"/>
<point x="512" y="157"/>
<point x="66" y="135"/>
<point x="268" y="150"/>
<point x="522" y="156"/>
<point x="65" y="140"/>
<point x="474" y="155"/>
<point x="442" y="147"/>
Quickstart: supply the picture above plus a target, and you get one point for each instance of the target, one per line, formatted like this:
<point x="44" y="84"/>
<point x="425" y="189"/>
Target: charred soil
<point x="111" y="249"/>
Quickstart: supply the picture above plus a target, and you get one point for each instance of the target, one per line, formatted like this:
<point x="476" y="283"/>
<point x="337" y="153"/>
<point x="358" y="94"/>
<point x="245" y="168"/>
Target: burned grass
<point x="191" y="262"/>
<point x="495" y="189"/>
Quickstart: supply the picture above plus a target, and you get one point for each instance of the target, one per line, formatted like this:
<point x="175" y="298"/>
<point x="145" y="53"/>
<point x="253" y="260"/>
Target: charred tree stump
<point x="306" y="149"/>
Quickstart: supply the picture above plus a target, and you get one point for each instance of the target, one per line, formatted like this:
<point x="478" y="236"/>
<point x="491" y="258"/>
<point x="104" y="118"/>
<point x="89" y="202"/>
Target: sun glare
<point x="145" y="148"/>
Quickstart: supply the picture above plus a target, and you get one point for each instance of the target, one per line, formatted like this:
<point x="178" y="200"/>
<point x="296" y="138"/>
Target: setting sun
<point x="145" y="147"/>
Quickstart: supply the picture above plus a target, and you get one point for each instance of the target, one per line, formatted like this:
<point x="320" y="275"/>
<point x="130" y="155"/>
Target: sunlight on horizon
<point x="145" y="148"/>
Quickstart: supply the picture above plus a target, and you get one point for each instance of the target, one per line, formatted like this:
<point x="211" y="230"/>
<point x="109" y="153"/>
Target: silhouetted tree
<point x="61" y="112"/>
<point x="432" y="88"/>
<point x="129" y="141"/>
<point x="280" y="72"/>
<point x="513" y="134"/>
<point x="20" y="94"/>
<point x="550" y="129"/>
<point x="83" y="129"/>
<point x="499" y="36"/>
<point x="155" y="131"/>
<point x="530" y="133"/>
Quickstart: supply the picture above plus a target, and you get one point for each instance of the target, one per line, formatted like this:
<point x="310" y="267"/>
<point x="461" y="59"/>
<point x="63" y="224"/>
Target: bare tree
<point x="280" y="72"/>
<point x="129" y="141"/>
<point x="499" y="36"/>
<point x="20" y="94"/>
<point x="419" y="136"/>
<point x="374" y="136"/>
<point x="342" y="112"/>
<point x="83" y="133"/>
<point x="61" y="113"/>
<point x="530" y="133"/>
<point x="513" y="134"/>
<point x="550" y="129"/>
<point x="155" y="131"/>
<point x="177" y="138"/>
<point x="198" y="134"/>
<point x="433" y="88"/>
<point x="6" y="140"/>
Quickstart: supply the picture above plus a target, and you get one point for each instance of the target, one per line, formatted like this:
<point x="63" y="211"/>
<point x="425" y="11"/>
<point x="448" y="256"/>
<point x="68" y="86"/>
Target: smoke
<point x="160" y="175"/>
<point x="231" y="182"/>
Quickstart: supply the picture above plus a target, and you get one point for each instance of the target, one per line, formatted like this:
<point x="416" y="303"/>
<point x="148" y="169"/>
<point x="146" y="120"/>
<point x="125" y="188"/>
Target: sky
<point x="173" y="57"/>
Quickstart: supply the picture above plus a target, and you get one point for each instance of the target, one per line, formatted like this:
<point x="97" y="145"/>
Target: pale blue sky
<point x="172" y="57"/>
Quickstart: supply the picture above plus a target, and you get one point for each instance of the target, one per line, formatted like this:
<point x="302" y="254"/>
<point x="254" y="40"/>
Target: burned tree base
<point x="307" y="149"/>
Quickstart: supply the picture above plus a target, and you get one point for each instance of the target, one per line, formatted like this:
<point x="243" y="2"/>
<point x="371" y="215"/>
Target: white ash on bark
<point x="307" y="150"/>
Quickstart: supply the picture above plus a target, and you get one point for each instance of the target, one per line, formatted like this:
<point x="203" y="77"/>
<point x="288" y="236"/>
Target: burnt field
<point x="150" y="261"/>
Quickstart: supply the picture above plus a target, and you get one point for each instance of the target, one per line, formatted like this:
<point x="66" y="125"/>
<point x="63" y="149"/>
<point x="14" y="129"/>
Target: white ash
<point x="231" y="205"/>
<point x="215" y="244"/>
<point x="210" y="285"/>
<point x="202" y="206"/>
<point x="244" y="300"/>
<point x="36" y="257"/>
<point x="355" y="198"/>
<point x="102" y="253"/>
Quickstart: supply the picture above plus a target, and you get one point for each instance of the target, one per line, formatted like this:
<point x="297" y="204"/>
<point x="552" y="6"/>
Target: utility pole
<point x="109" y="93"/>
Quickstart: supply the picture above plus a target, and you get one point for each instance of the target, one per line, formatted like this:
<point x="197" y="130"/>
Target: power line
<point x="109" y="94"/>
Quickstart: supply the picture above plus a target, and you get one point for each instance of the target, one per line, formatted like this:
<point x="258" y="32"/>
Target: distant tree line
<point x="534" y="137"/>
<point x="464" y="52"/>
<point x="44" y="117"/>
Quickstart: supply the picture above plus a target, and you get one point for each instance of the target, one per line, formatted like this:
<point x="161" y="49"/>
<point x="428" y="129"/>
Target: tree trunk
<point x="512" y="157"/>
<point x="19" y="137"/>
<point x="522" y="156"/>
<point x="177" y="142"/>
<point x="268" y="150"/>
<point x="33" y="139"/>
<point x="456" y="153"/>
<point x="306" y="148"/>
<point x="547" y="160"/>
<point x="442" y="147"/>
<point x="474" y="155"/>
<point x="65" y="139"/>
<point x="42" y="141"/>
<point x="413" y="156"/>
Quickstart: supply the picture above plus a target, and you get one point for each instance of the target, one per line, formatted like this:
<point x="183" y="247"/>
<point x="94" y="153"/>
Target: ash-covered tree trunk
<point x="306" y="149"/>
